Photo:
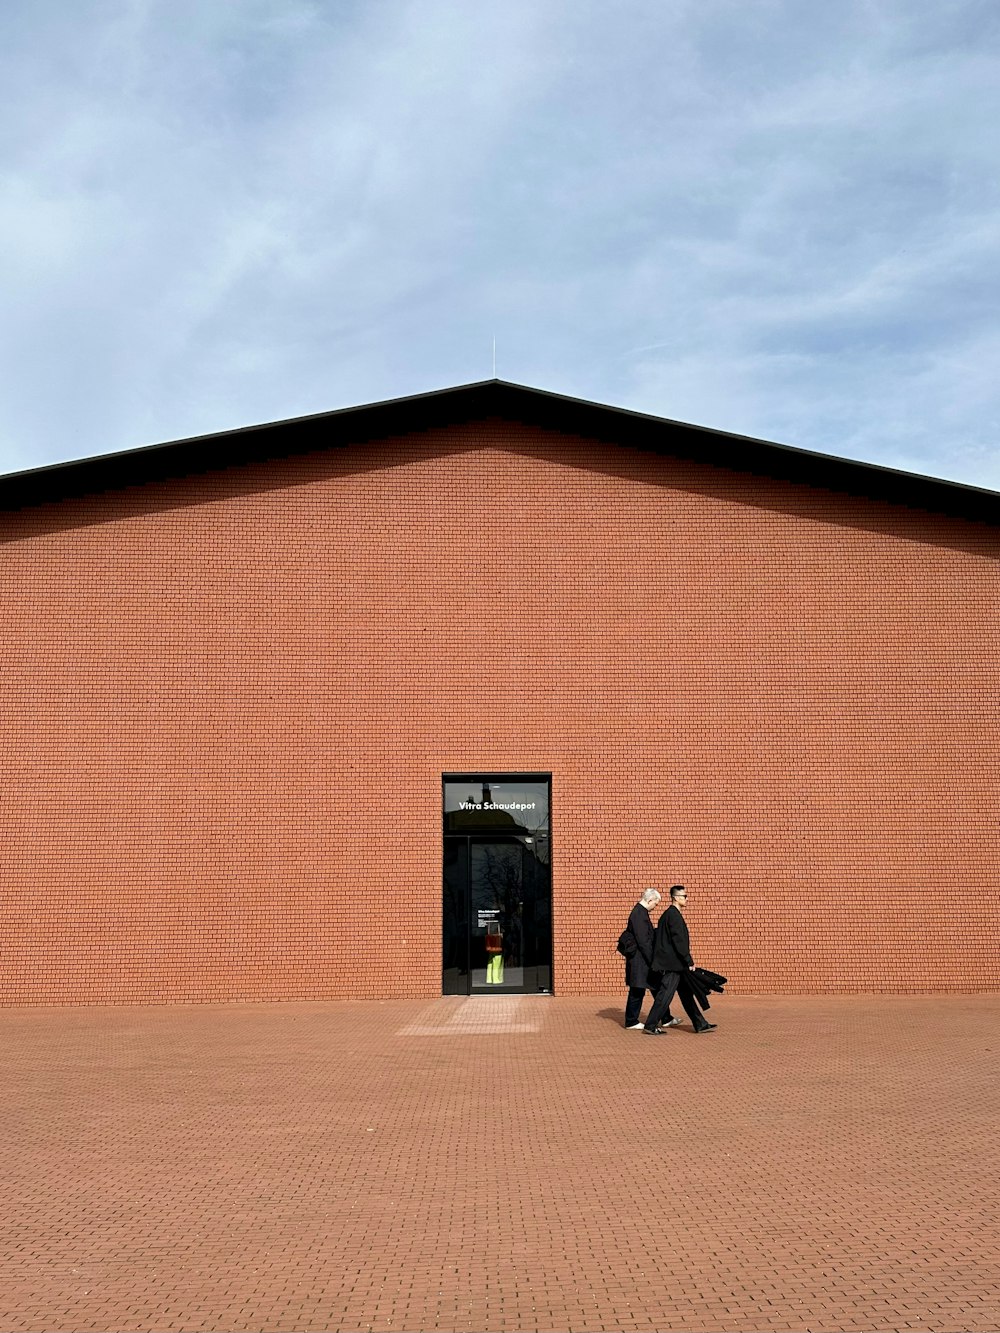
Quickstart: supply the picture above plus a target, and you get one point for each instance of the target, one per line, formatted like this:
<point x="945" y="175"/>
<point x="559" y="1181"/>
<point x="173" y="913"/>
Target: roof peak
<point x="462" y="402"/>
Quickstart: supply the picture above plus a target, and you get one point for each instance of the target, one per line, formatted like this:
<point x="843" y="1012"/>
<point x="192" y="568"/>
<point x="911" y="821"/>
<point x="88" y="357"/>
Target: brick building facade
<point x="237" y="671"/>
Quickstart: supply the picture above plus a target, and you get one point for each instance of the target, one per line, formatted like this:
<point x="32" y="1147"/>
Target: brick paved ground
<point x="501" y="1163"/>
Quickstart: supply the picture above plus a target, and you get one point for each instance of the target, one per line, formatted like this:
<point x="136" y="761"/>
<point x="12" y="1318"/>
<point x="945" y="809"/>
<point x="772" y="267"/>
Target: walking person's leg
<point x="693" y="1009"/>
<point x="667" y="1021"/>
<point x="661" y="1004"/>
<point x="633" y="1006"/>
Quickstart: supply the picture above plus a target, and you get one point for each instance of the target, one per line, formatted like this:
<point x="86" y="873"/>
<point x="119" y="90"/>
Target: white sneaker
<point x="635" y="1027"/>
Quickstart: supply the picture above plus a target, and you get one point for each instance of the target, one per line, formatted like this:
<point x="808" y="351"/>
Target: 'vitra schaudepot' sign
<point x="497" y="805"/>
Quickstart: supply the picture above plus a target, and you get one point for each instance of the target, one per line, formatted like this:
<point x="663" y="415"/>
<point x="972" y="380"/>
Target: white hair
<point x="650" y="897"/>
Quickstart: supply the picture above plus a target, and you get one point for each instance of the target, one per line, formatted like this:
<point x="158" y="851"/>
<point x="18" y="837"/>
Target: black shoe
<point x="707" y="1027"/>
<point x="652" y="1032"/>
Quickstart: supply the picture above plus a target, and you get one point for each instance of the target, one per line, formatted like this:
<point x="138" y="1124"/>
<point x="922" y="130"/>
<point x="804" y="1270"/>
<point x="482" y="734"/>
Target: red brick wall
<point x="228" y="702"/>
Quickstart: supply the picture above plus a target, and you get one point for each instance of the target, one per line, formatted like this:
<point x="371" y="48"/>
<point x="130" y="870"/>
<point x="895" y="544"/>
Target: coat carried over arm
<point x="700" y="982"/>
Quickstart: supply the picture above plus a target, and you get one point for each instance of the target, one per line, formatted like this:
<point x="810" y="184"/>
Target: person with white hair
<point x="672" y="960"/>
<point x="639" y="976"/>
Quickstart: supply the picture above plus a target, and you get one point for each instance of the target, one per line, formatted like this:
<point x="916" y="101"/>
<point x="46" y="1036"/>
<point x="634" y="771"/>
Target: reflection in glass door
<point x="497" y="932"/>
<point x="496" y="885"/>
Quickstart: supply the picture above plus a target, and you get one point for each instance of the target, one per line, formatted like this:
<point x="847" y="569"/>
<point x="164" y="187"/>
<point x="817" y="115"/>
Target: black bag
<point x="626" y="945"/>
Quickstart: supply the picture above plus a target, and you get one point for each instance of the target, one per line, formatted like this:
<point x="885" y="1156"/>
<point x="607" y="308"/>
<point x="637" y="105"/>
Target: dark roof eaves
<point x="745" y="453"/>
<point x="618" y="425"/>
<point x="197" y="454"/>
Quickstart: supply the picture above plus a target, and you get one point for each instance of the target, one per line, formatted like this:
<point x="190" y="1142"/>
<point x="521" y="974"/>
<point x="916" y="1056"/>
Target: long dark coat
<point x="672" y="944"/>
<point x="700" y="982"/>
<point x="637" y="967"/>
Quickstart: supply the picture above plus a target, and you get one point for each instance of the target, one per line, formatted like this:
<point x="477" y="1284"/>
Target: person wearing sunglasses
<point x="672" y="958"/>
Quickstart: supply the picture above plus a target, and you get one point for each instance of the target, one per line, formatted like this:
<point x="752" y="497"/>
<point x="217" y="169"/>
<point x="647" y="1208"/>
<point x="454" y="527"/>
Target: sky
<point x="780" y="219"/>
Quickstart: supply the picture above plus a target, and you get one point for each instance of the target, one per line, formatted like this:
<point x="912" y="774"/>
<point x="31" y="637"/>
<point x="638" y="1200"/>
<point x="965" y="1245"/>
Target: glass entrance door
<point x="497" y="919"/>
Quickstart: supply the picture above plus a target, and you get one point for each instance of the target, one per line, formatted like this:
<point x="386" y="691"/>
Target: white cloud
<point x="775" y="221"/>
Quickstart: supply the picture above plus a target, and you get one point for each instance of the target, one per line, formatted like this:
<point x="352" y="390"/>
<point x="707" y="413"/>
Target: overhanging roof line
<point x="487" y="398"/>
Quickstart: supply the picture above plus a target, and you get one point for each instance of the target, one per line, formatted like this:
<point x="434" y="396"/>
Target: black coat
<point x="672" y="945"/>
<point x="700" y="982"/>
<point x="637" y="967"/>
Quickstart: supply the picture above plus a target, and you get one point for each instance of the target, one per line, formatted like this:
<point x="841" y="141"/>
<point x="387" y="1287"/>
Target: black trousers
<point x="636" y="995"/>
<point x="671" y="984"/>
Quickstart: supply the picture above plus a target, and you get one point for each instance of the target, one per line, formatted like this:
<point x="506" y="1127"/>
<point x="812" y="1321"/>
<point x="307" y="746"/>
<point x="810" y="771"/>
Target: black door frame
<point x="457" y="935"/>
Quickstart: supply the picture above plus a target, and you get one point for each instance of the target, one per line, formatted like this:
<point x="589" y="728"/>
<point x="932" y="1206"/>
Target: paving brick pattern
<point x="823" y="1163"/>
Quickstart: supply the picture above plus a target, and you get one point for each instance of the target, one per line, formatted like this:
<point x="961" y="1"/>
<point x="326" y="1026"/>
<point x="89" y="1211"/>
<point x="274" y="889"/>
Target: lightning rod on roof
<point x="494" y="356"/>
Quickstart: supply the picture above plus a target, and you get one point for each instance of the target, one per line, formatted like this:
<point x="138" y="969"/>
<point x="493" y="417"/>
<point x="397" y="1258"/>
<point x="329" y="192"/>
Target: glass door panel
<point x="496" y="883"/>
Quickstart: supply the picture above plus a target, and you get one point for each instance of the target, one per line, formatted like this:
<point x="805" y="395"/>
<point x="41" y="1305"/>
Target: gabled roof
<point x="493" y="398"/>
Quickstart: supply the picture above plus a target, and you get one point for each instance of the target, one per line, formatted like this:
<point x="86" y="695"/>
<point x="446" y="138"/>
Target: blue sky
<point x="777" y="218"/>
